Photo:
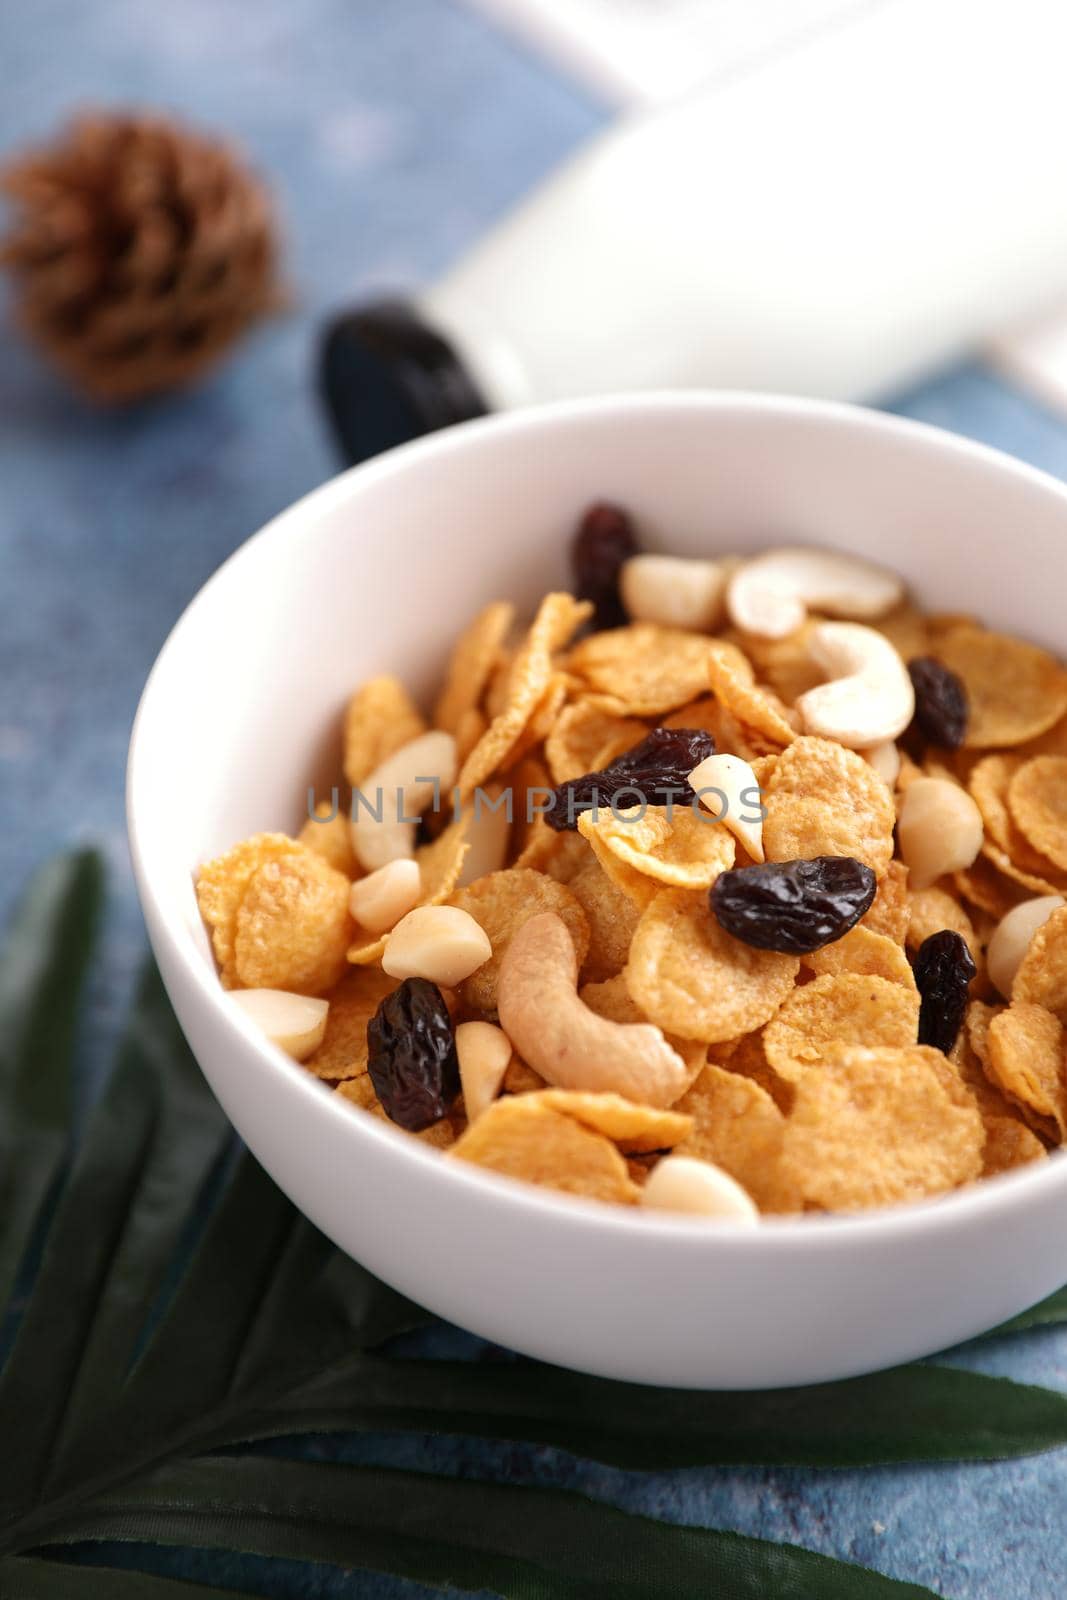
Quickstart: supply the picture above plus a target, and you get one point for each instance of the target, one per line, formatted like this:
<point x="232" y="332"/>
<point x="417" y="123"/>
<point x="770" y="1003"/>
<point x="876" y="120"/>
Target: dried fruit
<point x="941" y="704"/>
<point x="604" y="540"/>
<point x="944" y="968"/>
<point x="654" y="773"/>
<point x="793" y="906"/>
<point x="411" y="1055"/>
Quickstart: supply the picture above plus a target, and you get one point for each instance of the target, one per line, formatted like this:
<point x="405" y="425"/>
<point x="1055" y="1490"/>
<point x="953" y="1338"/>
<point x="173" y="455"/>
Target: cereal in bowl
<point x="727" y="887"/>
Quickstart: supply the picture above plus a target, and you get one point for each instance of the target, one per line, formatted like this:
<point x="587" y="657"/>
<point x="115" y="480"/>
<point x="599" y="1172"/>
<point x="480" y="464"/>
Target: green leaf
<point x="1050" y="1313"/>
<point x="31" y="1578"/>
<point x="42" y="969"/>
<point x="521" y="1543"/>
<point x="915" y="1413"/>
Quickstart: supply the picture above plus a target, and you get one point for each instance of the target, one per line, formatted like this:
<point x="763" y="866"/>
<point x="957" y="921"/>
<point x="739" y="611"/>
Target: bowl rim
<point x="961" y="1208"/>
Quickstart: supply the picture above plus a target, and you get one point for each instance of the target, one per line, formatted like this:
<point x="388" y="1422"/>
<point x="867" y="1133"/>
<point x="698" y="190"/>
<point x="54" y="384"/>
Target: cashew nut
<point x="294" y="1022"/>
<point x="674" y="592"/>
<point x="728" y="788"/>
<point x="680" y="1183"/>
<point x="569" y="1045"/>
<point x="771" y="594"/>
<point x="484" y="1052"/>
<point x="870" y="696"/>
<point x="442" y="943"/>
<point x="402" y="787"/>
<point x="939" y="830"/>
<point x="380" y="900"/>
<point x="1011" y="938"/>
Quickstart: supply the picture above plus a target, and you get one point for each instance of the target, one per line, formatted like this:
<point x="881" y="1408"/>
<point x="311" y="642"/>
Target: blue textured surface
<point x="393" y="132"/>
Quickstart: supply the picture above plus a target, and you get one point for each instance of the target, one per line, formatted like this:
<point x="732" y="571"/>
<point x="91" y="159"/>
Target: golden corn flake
<point x="635" y="1128"/>
<point x="1015" y="690"/>
<point x="1026" y="1061"/>
<point x="747" y="1057"/>
<point x="1042" y="975"/>
<point x="979" y="1020"/>
<point x="440" y="865"/>
<point x="687" y="851"/>
<point x="990" y="784"/>
<point x="691" y="978"/>
<point x="870" y="955"/>
<point x="571" y="856"/>
<point x="522" y="1137"/>
<point x="824" y="800"/>
<point x="221" y="886"/>
<point x="1037" y="797"/>
<point x="353" y="1002"/>
<point x="381" y="719"/>
<point x="502" y="903"/>
<point x="877" y="1127"/>
<point x="293" y="925"/>
<point x="760" y="710"/>
<point x="986" y="889"/>
<point x="890" y="911"/>
<point x="329" y="835"/>
<point x="644" y="668"/>
<point x="636" y="886"/>
<point x="470" y="728"/>
<point x="934" y="910"/>
<point x="612" y="918"/>
<point x="839" y="1009"/>
<point x="528" y="676"/>
<point x="586" y="739"/>
<point x="542" y="721"/>
<point x="476" y="653"/>
<point x="907" y="629"/>
<point x="1008" y="1144"/>
<point x="738" y="1127"/>
<point x="785" y="665"/>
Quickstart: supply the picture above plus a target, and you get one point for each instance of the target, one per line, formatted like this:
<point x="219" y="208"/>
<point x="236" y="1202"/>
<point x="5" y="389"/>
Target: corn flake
<point x="738" y="1127"/>
<point x="293" y="925"/>
<point x="329" y="835"/>
<point x="586" y="739"/>
<point x="1026" y="1061"/>
<point x="687" y="851"/>
<point x="612" y="918"/>
<point x="839" y="1009"/>
<point x="890" y="911"/>
<point x="353" y="1002"/>
<point x="878" y="1127"/>
<point x="757" y="709"/>
<point x="1037" y="797"/>
<point x="476" y="653"/>
<point x="1015" y="690"/>
<point x="691" y="978"/>
<point x="644" y="669"/>
<point x="1042" y="976"/>
<point x="932" y="911"/>
<point x="870" y="955"/>
<point x="824" y="800"/>
<point x="381" y="719"/>
<point x="636" y="1129"/>
<point x="522" y="1137"/>
<point x="1008" y="1144"/>
<point x="221" y="886"/>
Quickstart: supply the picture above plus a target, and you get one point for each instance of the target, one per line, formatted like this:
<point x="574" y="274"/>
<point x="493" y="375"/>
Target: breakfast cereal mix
<point x="821" y="1027"/>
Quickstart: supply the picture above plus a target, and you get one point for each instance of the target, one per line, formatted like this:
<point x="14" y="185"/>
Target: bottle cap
<point x="387" y="376"/>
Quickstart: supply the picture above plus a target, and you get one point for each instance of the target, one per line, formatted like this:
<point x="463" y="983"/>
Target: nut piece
<point x="380" y="900"/>
<point x="408" y="781"/>
<point x="484" y="1053"/>
<point x="294" y="1022"/>
<point x="771" y="594"/>
<point x="939" y="830"/>
<point x="680" y="1183"/>
<point x="728" y="788"/>
<point x="1011" y="938"/>
<point x="885" y="759"/>
<point x="562" y="1039"/>
<point x="870" y="697"/>
<point x="488" y="832"/>
<point x="441" y="943"/>
<point x="674" y="592"/>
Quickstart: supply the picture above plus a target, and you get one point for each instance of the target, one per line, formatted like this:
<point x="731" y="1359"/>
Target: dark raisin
<point x="604" y="540"/>
<point x="793" y="906"/>
<point x="412" y="1055"/>
<point x="940" y="704"/>
<point x="944" y="968"/>
<point x="654" y="773"/>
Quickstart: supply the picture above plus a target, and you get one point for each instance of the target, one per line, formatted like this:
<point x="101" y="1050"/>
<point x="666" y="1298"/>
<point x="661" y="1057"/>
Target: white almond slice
<point x="294" y="1022"/>
<point x="379" y="900"/>
<point x="410" y="780"/>
<point x="728" y="788"/>
<point x="680" y="1183"/>
<point x="484" y="1052"/>
<point x="441" y="943"/>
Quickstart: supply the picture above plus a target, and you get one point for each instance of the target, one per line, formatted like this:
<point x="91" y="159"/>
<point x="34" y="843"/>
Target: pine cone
<point x="140" y="251"/>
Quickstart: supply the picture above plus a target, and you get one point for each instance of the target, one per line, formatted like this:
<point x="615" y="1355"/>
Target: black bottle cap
<point x="386" y="377"/>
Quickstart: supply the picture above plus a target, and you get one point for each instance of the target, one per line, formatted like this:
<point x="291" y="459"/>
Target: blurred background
<point x="160" y="399"/>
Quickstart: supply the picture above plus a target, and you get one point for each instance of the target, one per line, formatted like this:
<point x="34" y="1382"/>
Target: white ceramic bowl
<point x="377" y="571"/>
